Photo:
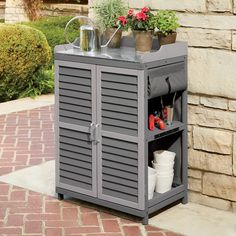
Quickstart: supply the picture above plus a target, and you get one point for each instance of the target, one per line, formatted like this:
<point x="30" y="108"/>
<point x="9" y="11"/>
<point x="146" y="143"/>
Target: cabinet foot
<point x="145" y="220"/>
<point x="60" y="196"/>
<point x="185" y="199"/>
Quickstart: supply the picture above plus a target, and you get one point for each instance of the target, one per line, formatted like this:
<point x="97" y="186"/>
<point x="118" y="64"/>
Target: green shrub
<point x="24" y="52"/>
<point x="53" y="29"/>
<point x="42" y="82"/>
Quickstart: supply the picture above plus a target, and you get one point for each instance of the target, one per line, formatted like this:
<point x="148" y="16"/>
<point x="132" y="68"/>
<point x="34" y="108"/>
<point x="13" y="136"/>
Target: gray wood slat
<point x="77" y="95"/>
<point x="119" y="78"/>
<point x="76" y="156"/>
<point x="119" y="86"/>
<point x="119" y="115"/>
<point x="76" y="170"/>
<point x="75" y="101"/>
<point x="76" y="149"/>
<point x="117" y="158"/>
<point x="119" y="173"/>
<point x="114" y="129"/>
<point x="123" y="109"/>
<point x="120" y="188"/>
<point x="77" y="177"/>
<point x="75" y="183"/>
<point x="76" y="142"/>
<point x="120" y="195"/>
<point x="75" y="80"/>
<point x="74" y="134"/>
<point x="81" y="164"/>
<point x="75" y="115"/>
<point x="120" y="144"/>
<point x="69" y="107"/>
<point x="119" y="94"/>
<point x="120" y="180"/>
<point x="119" y="151"/>
<point x="74" y="121"/>
<point x="116" y="165"/>
<point x="120" y="123"/>
<point x="74" y="72"/>
<point x="120" y="101"/>
<point x="75" y="87"/>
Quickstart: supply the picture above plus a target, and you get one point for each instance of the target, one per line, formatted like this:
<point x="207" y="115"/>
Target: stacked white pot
<point x="151" y="182"/>
<point x="164" y="165"/>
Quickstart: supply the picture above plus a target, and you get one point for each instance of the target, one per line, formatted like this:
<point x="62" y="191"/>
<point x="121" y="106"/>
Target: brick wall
<point x="14" y="10"/>
<point x="209" y="26"/>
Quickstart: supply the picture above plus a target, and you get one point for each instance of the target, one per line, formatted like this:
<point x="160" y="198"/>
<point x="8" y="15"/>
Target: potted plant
<point x="166" y="22"/>
<point x="107" y="13"/>
<point x="141" y="25"/>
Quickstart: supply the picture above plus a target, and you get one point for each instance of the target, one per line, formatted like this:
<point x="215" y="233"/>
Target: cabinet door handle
<point x="91" y="131"/>
<point x="97" y="133"/>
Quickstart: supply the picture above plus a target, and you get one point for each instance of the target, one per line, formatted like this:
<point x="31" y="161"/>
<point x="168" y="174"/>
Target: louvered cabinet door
<point x="120" y="158"/>
<point x="76" y="112"/>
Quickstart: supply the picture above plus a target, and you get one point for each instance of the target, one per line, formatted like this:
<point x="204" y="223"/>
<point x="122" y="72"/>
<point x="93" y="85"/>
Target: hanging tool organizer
<point x="114" y="109"/>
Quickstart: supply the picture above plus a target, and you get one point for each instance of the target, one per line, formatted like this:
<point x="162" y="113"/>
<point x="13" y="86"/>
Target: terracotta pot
<point x="143" y="40"/>
<point x="170" y="38"/>
<point x="115" y="42"/>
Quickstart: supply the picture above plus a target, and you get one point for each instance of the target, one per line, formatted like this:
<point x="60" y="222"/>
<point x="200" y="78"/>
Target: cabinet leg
<point x="185" y="199"/>
<point x="60" y="196"/>
<point x="145" y="219"/>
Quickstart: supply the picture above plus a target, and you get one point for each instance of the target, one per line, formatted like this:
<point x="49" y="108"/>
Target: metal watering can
<point x="90" y="37"/>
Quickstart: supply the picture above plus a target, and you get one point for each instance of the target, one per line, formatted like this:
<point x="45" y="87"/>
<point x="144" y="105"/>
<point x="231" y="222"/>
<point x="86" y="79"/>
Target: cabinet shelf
<point x="176" y="126"/>
<point x="159" y="197"/>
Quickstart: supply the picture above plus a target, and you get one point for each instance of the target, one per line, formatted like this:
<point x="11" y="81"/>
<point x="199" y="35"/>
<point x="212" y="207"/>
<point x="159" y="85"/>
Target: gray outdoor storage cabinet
<point x="104" y="146"/>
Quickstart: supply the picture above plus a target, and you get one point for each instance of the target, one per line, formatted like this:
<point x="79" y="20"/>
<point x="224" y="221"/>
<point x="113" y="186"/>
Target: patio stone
<point x="214" y="102"/>
<point x="212" y="140"/>
<point x="197" y="174"/>
<point x="210" y="21"/>
<point x="232" y="105"/>
<point x="182" y="5"/>
<point x="220" y="5"/>
<point x="205" y="37"/>
<point x="195" y="184"/>
<point x="210" y="162"/>
<point x="209" y="201"/>
<point x="206" y="74"/>
<point x="234" y="155"/>
<point x="221" y="186"/>
<point x="193" y="99"/>
<point x="211" y="118"/>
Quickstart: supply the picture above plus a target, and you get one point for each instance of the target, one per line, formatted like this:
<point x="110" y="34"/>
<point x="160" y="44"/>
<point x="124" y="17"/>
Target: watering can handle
<point x="105" y="45"/>
<point x="69" y="22"/>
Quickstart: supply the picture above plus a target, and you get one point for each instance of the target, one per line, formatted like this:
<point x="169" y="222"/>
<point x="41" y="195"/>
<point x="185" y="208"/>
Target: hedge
<point x="24" y="53"/>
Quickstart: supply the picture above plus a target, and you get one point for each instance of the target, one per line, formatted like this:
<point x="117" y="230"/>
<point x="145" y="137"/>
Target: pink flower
<point x="141" y="16"/>
<point x="123" y="20"/>
<point x="130" y="12"/>
<point x="145" y="10"/>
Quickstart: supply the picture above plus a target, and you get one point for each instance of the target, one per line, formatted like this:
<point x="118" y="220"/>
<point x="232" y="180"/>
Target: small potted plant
<point x="166" y="22"/>
<point x="140" y="24"/>
<point x="107" y="13"/>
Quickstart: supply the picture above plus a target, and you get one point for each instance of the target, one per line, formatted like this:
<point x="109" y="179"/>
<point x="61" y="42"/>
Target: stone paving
<point x="26" y="140"/>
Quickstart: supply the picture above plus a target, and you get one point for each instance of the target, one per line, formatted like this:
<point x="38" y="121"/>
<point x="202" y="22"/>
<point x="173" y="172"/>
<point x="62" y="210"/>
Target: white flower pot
<point x="151" y="182"/>
<point x="164" y="157"/>
<point x="163" y="183"/>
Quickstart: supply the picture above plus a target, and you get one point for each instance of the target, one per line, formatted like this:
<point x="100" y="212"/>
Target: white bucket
<point x="163" y="183"/>
<point x="164" y="157"/>
<point x="162" y="167"/>
<point x="151" y="182"/>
